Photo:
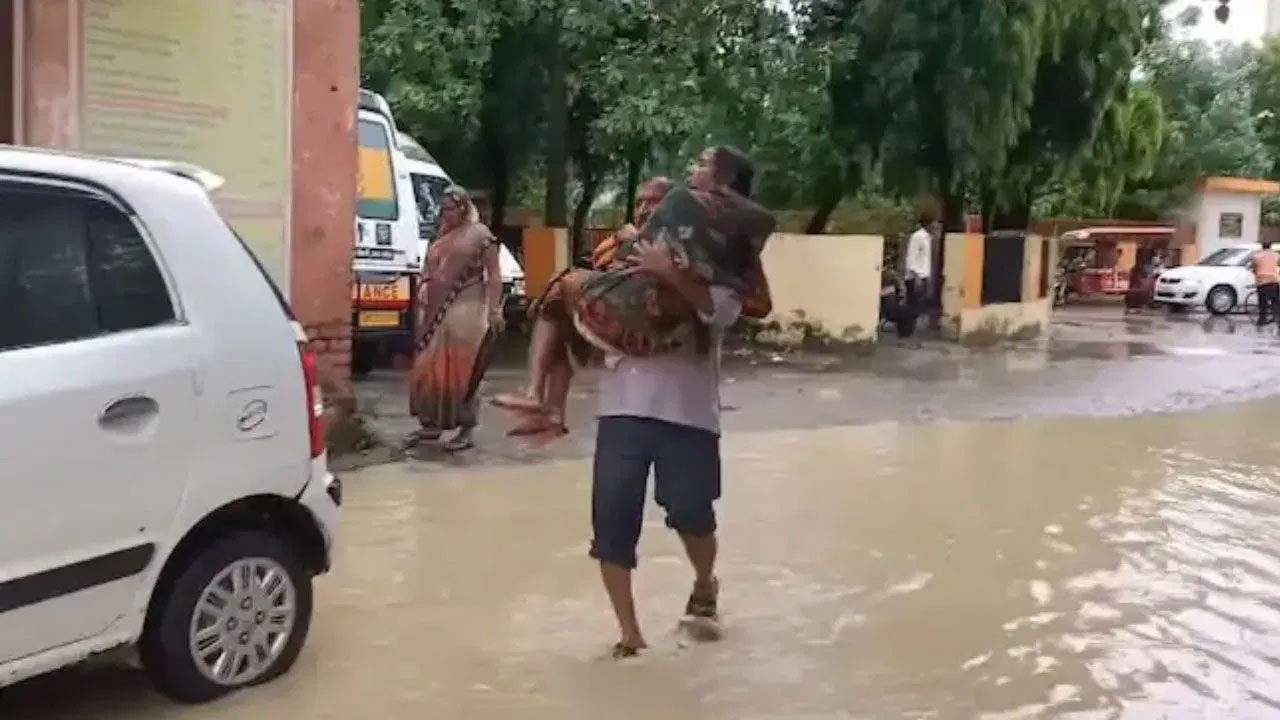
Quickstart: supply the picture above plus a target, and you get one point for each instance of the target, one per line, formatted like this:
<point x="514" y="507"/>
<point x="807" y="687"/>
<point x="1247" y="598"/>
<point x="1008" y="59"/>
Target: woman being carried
<point x="713" y="231"/>
<point x="555" y="348"/>
<point x="458" y="315"/>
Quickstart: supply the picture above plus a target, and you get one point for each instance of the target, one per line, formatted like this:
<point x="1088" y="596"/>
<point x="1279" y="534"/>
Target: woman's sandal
<point x="420" y="436"/>
<point x="459" y="444"/>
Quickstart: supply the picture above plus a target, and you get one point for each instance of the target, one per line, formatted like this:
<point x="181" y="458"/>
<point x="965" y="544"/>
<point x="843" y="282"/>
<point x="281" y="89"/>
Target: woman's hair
<point x="460" y="194"/>
<point x="734" y="168"/>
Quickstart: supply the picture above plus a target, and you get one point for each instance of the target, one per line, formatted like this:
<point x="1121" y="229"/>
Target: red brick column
<point x="325" y="88"/>
<point x="51" y="59"/>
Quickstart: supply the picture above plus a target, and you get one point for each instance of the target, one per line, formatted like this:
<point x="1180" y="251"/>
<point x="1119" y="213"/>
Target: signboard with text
<point x="206" y="82"/>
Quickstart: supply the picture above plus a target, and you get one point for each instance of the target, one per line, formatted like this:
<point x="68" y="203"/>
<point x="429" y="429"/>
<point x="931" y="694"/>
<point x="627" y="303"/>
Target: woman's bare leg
<point x="559" y="379"/>
<point x="543" y="347"/>
<point x="554" y="397"/>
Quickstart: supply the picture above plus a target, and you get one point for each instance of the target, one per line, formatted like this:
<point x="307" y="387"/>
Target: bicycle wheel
<point x="1251" y="305"/>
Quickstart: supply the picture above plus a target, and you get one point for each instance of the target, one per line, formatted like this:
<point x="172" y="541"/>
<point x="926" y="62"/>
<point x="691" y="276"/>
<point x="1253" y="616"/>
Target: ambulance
<point x="387" y="240"/>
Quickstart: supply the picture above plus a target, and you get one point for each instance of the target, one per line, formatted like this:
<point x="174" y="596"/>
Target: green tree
<point x="1124" y="151"/>
<point x="1079" y="100"/>
<point x="465" y="78"/>
<point x="867" y="53"/>
<point x="1264" y="82"/>
<point x="1208" y="128"/>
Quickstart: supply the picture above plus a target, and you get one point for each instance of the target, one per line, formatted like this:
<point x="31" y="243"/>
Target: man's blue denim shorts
<point x="686" y="473"/>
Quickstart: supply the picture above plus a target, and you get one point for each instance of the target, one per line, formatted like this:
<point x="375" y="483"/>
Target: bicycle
<point x="1251" y="306"/>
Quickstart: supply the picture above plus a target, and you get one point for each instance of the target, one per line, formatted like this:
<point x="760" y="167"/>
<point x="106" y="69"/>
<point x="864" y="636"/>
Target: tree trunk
<point x="581" y="211"/>
<point x="953" y="211"/>
<point x="497" y="173"/>
<point x="500" y="190"/>
<point x="635" y="163"/>
<point x="821" y="217"/>
<point x="555" y="208"/>
<point x="1017" y="217"/>
<point x="953" y="221"/>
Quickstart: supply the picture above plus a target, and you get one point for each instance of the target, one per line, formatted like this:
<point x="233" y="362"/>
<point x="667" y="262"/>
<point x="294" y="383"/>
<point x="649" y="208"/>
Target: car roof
<point x="113" y="174"/>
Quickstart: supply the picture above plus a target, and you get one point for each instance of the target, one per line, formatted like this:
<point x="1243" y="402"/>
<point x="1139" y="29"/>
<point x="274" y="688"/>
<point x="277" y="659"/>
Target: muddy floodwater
<point x="1069" y="568"/>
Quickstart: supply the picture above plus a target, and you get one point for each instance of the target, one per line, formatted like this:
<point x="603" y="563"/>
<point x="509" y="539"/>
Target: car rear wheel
<point x="1221" y="299"/>
<point x="236" y="616"/>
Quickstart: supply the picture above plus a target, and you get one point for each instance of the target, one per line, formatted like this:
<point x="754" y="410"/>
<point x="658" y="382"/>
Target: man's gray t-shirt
<point x="681" y="387"/>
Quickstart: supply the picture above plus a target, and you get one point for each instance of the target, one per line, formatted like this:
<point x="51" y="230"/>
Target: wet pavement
<point x="1097" y="362"/>
<point x="1065" y="565"/>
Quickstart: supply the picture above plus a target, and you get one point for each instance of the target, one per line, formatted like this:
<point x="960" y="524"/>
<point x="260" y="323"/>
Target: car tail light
<point x="315" y="405"/>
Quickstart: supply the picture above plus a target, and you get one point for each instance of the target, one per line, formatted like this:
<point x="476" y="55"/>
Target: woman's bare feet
<point x="523" y="403"/>
<point x="537" y="423"/>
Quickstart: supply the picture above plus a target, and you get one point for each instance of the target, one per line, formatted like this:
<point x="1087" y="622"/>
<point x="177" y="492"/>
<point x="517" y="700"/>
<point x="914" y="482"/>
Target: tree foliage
<point x="998" y="106"/>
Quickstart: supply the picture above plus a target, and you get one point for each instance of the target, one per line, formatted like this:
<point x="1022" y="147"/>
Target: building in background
<point x="262" y="92"/>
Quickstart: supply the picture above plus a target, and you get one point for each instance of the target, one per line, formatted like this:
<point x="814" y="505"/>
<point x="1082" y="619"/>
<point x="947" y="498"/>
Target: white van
<point x="429" y="181"/>
<point x="386" y="239"/>
<point x="165" y="482"/>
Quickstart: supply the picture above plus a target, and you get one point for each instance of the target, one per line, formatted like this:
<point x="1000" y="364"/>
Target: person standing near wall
<point x="918" y="266"/>
<point x="1266" y="269"/>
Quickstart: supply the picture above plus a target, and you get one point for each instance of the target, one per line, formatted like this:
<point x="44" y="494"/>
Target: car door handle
<point x="127" y="410"/>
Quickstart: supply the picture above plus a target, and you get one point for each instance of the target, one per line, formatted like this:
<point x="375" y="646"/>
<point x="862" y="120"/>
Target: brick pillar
<point x="325" y="88"/>
<point x="50" y="63"/>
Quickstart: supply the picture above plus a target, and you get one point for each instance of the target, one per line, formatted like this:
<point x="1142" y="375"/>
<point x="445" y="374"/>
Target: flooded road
<point x="1068" y="568"/>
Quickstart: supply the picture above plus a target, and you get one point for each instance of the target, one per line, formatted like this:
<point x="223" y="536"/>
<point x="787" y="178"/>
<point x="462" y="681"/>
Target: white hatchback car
<point x="165" y="481"/>
<point x="1219" y="283"/>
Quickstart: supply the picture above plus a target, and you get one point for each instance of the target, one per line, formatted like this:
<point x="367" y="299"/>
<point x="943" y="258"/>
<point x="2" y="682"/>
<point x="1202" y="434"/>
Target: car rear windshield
<point x="275" y="289"/>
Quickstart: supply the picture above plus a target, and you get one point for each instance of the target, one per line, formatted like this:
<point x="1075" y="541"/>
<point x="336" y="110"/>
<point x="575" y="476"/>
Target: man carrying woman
<point x="663" y="412"/>
<point x="556" y="347"/>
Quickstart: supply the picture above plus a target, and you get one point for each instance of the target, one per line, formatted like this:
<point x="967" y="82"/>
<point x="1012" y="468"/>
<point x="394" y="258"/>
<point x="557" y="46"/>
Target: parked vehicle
<point x="1090" y="259"/>
<point x="386" y="240"/>
<point x="166" y="484"/>
<point x="1219" y="282"/>
<point x="398" y="213"/>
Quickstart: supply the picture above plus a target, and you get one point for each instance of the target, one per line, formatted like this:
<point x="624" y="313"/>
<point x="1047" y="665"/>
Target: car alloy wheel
<point x="1221" y="300"/>
<point x="243" y="621"/>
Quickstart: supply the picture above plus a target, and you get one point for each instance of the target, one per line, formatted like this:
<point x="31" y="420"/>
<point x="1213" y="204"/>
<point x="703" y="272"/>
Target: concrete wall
<point x="1208" y="211"/>
<point x="830" y="280"/>
<point x="966" y="319"/>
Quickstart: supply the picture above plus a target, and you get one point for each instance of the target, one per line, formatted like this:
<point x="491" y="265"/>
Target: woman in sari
<point x="458" y="316"/>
